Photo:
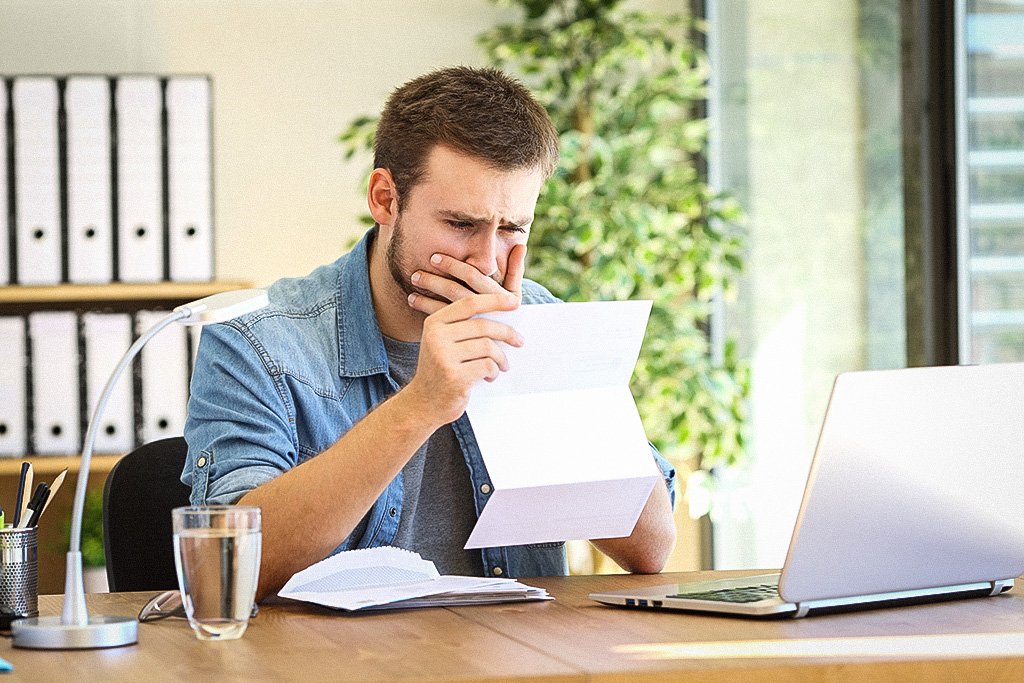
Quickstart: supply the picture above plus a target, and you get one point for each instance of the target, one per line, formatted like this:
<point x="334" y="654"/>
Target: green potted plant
<point x="628" y="214"/>
<point x="94" y="558"/>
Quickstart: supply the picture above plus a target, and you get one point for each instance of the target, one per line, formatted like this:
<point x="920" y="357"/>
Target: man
<point x="339" y="410"/>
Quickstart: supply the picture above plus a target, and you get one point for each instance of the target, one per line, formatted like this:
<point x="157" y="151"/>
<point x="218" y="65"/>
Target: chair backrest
<point x="141" y="490"/>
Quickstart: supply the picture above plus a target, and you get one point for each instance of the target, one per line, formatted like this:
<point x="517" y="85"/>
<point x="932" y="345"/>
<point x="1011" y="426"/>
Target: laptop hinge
<point x="802" y="608"/>
<point x="1000" y="586"/>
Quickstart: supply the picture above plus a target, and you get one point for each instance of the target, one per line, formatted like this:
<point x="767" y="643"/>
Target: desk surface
<point x="569" y="639"/>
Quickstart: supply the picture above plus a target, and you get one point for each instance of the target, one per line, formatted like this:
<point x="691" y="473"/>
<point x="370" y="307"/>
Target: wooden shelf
<point x="116" y="291"/>
<point x="53" y="464"/>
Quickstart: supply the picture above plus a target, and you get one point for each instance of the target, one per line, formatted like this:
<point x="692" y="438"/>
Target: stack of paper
<point x="386" y="578"/>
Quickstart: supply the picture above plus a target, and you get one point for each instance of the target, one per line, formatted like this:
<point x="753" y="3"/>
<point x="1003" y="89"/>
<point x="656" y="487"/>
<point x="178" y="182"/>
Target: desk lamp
<point x="75" y="629"/>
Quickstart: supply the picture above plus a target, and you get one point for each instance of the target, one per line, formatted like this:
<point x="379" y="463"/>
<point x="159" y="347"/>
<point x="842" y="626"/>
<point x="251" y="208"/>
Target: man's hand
<point x="457" y="349"/>
<point x="465" y="280"/>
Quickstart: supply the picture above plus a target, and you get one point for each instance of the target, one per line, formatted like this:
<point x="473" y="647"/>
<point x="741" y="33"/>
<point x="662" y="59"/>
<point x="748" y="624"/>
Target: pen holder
<point x="19" y="574"/>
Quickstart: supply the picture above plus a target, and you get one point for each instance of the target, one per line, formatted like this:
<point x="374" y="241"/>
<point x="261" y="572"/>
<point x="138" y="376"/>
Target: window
<point x="805" y="109"/>
<point x="990" y="179"/>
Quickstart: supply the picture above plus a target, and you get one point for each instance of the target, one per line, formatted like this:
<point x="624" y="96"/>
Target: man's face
<point x="464" y="209"/>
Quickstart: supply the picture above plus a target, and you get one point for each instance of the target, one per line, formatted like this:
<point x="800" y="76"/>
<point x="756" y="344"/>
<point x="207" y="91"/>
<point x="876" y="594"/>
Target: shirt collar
<point x="360" y="343"/>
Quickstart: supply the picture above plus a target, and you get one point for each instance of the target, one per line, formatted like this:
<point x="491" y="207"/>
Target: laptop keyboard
<point x="764" y="591"/>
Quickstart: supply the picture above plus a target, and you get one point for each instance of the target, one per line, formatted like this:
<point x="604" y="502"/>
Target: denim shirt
<point x="274" y="388"/>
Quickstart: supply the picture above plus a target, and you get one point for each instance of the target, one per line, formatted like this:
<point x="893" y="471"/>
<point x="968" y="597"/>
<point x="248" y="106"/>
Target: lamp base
<point x="49" y="633"/>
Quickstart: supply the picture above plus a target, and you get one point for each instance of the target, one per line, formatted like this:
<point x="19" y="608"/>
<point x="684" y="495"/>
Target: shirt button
<point x="485" y="488"/>
<point x="201" y="462"/>
<point x="393" y="511"/>
<point x="498" y="571"/>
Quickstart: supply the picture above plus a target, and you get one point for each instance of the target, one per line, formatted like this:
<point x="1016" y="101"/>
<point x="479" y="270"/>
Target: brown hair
<point x="483" y="113"/>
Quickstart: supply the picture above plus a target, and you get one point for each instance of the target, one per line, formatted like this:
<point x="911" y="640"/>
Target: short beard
<point x="394" y="255"/>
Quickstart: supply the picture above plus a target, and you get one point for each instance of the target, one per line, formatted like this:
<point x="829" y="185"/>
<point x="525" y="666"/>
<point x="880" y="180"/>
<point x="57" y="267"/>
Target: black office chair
<point x="140" y="493"/>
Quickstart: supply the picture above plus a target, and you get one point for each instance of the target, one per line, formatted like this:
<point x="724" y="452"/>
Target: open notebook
<point x="391" y="578"/>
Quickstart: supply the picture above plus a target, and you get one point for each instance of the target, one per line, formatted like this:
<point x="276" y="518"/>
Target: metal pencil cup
<point x="19" y="574"/>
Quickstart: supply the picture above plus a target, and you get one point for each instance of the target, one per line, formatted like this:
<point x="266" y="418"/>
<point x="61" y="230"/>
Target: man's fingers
<point x="484" y="368"/>
<point x="482" y="328"/>
<point x="441" y="286"/>
<point x="462" y="309"/>
<point x="477" y="304"/>
<point x="447" y="334"/>
<point x="424" y="304"/>
<point x="482" y="283"/>
<point x="516" y="268"/>
<point x="481" y="348"/>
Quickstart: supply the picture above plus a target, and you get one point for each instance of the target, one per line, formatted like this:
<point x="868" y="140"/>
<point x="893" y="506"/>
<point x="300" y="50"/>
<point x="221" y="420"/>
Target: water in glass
<point x="217" y="572"/>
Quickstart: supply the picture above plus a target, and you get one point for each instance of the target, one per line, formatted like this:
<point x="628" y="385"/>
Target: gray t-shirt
<point x="438" y="512"/>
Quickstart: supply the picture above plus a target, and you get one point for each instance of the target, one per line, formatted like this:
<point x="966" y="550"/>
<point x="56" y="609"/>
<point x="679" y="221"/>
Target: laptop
<point x="914" y="495"/>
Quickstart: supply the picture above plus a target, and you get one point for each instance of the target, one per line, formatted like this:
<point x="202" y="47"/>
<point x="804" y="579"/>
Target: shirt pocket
<point x="322" y="417"/>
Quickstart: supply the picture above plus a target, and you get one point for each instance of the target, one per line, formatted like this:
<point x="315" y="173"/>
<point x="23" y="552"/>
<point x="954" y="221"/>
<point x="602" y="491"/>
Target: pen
<point x="28" y="492"/>
<point x="35" y="506"/>
<point x="19" y="503"/>
<point x="57" y="481"/>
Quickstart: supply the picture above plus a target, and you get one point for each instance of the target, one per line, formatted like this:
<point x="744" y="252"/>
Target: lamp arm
<point x="73" y="629"/>
<point x="74" y="592"/>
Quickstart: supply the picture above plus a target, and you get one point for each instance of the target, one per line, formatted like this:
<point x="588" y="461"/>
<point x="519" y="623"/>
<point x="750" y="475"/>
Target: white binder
<point x="107" y="338"/>
<point x="54" y="359"/>
<point x="189" y="178"/>
<point x="37" y="180"/>
<point x="164" y="378"/>
<point x="13" y="366"/>
<point x="89" y="192"/>
<point x="5" y="228"/>
<point x="140" y="232"/>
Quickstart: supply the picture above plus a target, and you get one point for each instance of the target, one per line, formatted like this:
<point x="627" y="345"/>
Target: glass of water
<point x="217" y="554"/>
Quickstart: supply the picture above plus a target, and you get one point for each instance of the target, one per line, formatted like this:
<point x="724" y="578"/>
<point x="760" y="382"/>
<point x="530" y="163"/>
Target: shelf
<point x="53" y="464"/>
<point x="116" y="291"/>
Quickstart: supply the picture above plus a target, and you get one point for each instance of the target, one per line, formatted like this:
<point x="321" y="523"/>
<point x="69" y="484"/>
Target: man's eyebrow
<point x="477" y="220"/>
<point x="460" y="216"/>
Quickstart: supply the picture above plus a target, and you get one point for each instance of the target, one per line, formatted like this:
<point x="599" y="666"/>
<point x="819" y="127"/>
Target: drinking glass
<point x="217" y="555"/>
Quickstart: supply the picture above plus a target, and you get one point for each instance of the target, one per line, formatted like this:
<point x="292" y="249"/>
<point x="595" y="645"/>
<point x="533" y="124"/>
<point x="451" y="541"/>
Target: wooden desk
<point x="570" y="639"/>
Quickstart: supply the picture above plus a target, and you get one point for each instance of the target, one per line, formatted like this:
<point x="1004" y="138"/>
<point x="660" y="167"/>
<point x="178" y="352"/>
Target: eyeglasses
<point x="168" y="604"/>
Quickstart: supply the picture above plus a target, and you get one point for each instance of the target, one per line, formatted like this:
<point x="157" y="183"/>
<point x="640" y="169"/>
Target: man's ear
<point x="382" y="196"/>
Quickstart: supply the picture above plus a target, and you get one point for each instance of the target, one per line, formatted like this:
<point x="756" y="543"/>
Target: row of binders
<point x="54" y="365"/>
<point x="105" y="178"/>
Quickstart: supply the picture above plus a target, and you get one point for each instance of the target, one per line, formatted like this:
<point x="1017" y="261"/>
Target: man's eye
<point x="461" y="225"/>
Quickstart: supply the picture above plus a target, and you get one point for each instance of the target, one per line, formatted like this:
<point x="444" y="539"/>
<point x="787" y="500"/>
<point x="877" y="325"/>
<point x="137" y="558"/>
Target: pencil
<point x="58" y="480"/>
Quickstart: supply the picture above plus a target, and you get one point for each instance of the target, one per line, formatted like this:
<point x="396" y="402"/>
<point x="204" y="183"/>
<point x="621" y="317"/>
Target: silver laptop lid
<point x="915" y="483"/>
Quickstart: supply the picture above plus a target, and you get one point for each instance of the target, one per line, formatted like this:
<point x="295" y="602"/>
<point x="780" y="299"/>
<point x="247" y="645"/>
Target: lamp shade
<point x="217" y="308"/>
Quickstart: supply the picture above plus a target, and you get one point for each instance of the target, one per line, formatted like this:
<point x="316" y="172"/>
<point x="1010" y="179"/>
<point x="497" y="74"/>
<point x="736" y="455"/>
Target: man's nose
<point x="484" y="254"/>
